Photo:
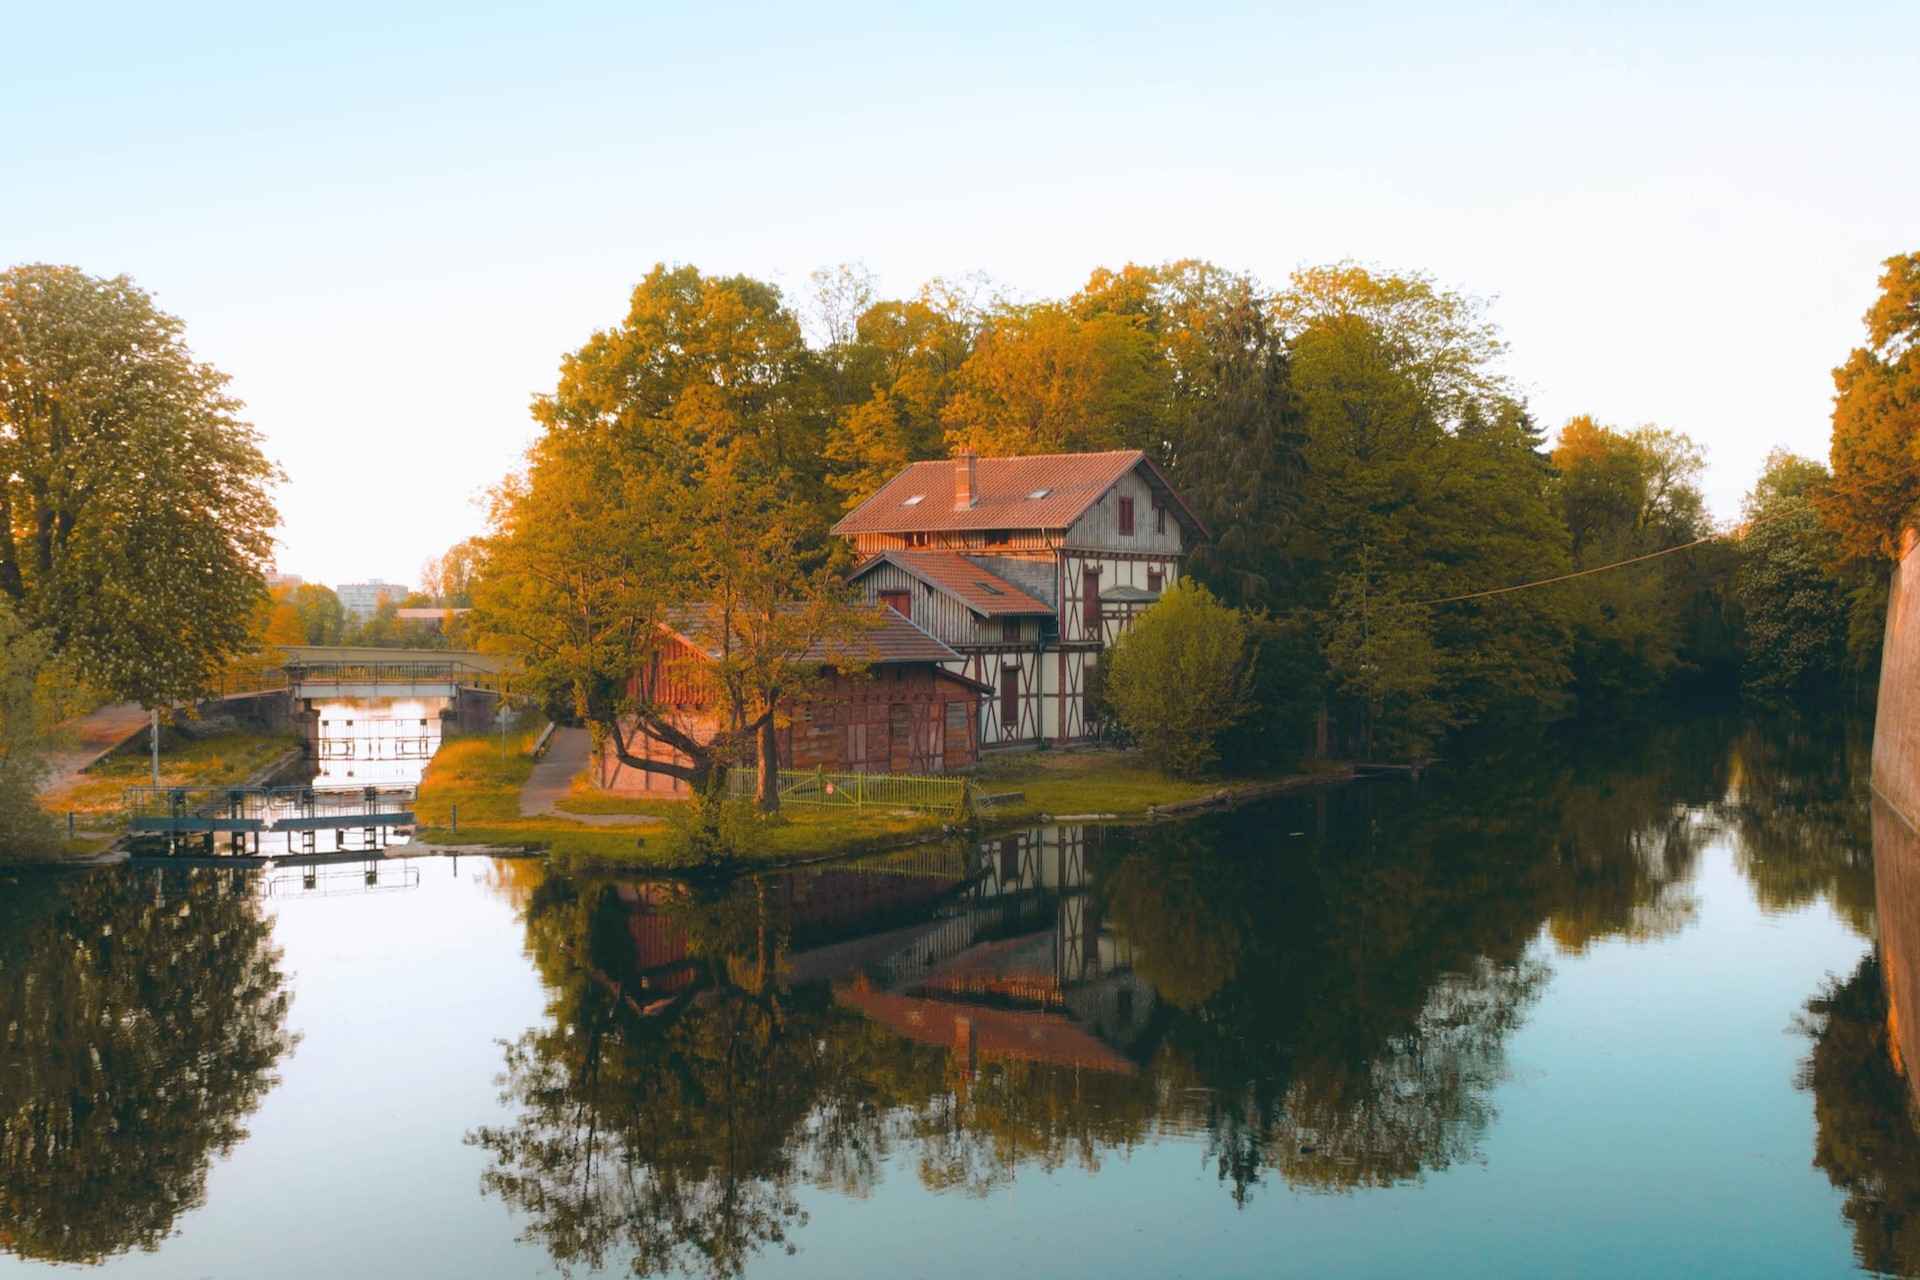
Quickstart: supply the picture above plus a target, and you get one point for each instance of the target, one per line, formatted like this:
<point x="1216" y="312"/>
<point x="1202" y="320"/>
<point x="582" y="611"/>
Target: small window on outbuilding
<point x="1159" y="518"/>
<point x="1126" y="517"/>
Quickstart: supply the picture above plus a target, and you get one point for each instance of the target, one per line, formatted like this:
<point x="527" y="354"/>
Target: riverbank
<point x="484" y="790"/>
<point x="88" y="801"/>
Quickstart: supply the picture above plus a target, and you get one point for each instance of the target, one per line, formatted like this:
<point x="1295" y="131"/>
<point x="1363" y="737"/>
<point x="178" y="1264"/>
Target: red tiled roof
<point x="1068" y="483"/>
<point x="984" y="592"/>
<point x="892" y="639"/>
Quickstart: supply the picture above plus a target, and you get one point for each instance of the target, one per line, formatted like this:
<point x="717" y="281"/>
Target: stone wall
<point x="1896" y="733"/>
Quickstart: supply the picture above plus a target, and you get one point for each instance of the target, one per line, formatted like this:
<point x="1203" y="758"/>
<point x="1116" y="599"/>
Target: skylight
<point x="989" y="588"/>
<point x="915" y="500"/>
<point x="1037" y="494"/>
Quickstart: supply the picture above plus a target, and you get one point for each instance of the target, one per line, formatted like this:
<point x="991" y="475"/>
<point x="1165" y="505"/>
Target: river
<point x="1613" y="1009"/>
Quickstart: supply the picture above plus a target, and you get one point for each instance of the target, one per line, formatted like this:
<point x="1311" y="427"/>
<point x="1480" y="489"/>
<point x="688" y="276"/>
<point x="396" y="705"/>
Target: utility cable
<point x="1568" y="577"/>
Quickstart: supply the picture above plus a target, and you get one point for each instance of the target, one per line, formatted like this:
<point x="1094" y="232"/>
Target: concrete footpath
<point x="568" y="753"/>
<point x="85" y="739"/>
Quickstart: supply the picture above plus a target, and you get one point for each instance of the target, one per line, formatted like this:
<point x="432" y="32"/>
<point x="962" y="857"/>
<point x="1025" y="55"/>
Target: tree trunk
<point x="767" y="791"/>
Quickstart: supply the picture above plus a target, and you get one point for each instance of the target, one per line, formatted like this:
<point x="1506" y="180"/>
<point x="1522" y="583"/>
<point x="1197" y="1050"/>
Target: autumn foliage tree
<point x="1875" y="494"/>
<point x="674" y="492"/>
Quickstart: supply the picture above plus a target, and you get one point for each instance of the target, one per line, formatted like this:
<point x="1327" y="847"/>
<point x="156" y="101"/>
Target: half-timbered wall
<point x="1014" y="673"/>
<point x="1116" y="569"/>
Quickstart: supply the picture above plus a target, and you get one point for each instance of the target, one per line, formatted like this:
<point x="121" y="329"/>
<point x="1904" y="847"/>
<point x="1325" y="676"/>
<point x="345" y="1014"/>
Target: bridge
<point x="346" y="671"/>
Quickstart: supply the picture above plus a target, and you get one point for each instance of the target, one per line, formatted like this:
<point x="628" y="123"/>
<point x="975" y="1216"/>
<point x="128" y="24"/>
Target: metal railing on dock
<point x="857" y="790"/>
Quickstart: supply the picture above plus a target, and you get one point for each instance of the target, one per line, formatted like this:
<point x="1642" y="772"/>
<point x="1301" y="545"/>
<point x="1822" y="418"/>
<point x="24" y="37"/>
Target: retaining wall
<point x="1896" y="729"/>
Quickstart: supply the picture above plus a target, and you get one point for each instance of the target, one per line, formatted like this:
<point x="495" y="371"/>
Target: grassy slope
<point x="221" y="760"/>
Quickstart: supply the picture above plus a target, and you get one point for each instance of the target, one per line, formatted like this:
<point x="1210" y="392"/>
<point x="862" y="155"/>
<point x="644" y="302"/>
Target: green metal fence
<point x="855" y="790"/>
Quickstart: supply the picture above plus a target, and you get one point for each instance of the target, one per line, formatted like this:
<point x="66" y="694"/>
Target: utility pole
<point x="154" y="739"/>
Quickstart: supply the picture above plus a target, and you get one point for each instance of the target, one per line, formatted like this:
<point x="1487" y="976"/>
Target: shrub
<point x="1179" y="678"/>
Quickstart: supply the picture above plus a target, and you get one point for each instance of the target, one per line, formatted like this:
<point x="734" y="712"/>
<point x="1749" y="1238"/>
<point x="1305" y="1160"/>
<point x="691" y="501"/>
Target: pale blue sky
<point x="388" y="222"/>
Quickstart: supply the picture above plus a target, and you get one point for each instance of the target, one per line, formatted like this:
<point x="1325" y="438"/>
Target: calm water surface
<point x="1621" y="1015"/>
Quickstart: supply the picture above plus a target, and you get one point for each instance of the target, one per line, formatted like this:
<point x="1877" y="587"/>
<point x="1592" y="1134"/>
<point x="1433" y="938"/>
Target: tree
<point x="1418" y="452"/>
<point x="1875" y="494"/>
<point x="1229" y="430"/>
<point x="1042" y="380"/>
<point x="1379" y="646"/>
<point x="890" y="382"/>
<point x="135" y="522"/>
<point x="660" y="500"/>
<point x="1625" y="494"/>
<point x="1796" y="608"/>
<point x="448" y="579"/>
<point x="1179" y="677"/>
<point x="323" y="620"/>
<point x="24" y="722"/>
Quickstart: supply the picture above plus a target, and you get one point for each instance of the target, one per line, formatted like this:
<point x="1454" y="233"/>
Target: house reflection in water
<point x="993" y="953"/>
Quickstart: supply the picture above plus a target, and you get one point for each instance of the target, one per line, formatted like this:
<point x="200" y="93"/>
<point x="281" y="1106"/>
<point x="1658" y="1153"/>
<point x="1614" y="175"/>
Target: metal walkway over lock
<point x="366" y="816"/>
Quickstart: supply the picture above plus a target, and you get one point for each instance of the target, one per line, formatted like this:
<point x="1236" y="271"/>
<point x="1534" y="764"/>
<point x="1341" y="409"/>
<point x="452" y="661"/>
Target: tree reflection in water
<point x="1322" y="990"/>
<point x="1861" y="1070"/>
<point x="142" y="1015"/>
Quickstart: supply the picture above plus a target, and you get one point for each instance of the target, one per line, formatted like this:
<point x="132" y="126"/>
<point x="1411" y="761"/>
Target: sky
<point x="389" y="222"/>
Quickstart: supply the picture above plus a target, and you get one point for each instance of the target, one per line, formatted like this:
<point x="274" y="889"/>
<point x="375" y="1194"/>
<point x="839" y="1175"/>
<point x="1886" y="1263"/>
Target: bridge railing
<point x="162" y="808"/>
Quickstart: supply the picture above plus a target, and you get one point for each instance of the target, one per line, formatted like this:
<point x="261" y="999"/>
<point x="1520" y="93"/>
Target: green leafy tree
<point x="135" y="521"/>
<point x="1180" y="676"/>
<point x="1625" y="494"/>
<point x="1419" y="449"/>
<point x="1796" y="608"/>
<point x="24" y="722"/>
<point x="1379" y="647"/>
<point x="1228" y="429"/>
<point x="323" y="620"/>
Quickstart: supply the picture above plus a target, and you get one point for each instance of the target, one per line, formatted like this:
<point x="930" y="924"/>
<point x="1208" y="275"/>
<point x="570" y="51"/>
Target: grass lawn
<point x="484" y="780"/>
<point x="1089" y="782"/>
<point x="221" y="760"/>
<point x="480" y="776"/>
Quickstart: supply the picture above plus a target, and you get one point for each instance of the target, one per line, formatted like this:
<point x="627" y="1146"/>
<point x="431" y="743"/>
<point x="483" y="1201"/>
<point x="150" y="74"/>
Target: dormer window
<point x="1038" y="494"/>
<point x="915" y="500"/>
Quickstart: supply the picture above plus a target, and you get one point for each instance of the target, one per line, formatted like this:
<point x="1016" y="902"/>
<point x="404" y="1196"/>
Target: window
<point x="1090" y="602"/>
<point x="1155" y="580"/>
<point x="988" y="587"/>
<point x="1010" y="630"/>
<point x="898" y="601"/>
<point x="1159" y="518"/>
<point x="1126" y="517"/>
<point x="1009" y="702"/>
<point x="1038" y="494"/>
<point x="915" y="500"/>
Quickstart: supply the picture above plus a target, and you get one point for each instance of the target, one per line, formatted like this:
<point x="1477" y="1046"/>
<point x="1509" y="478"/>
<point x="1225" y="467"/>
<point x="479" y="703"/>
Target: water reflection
<point x="1321" y="991"/>
<point x="1327" y="995"/>
<point x="1861" y="1069"/>
<point x="141" y="1019"/>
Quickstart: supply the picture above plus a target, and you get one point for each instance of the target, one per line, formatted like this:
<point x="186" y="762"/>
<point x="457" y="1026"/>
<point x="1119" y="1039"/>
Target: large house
<point x="1027" y="568"/>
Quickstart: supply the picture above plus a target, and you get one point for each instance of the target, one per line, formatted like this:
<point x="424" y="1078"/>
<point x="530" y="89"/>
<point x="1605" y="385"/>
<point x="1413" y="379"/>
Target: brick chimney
<point x="966" y="479"/>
